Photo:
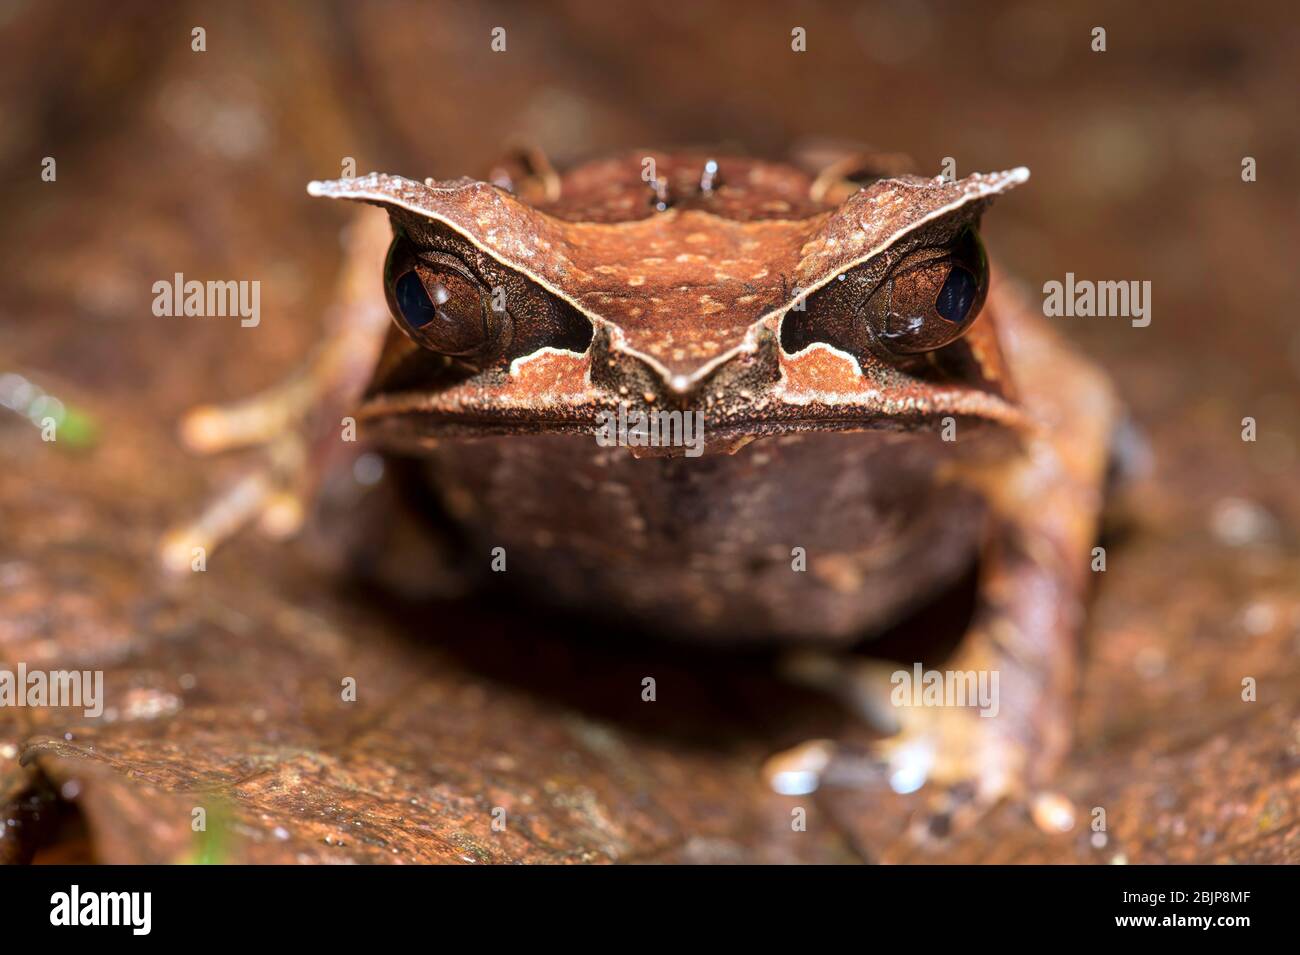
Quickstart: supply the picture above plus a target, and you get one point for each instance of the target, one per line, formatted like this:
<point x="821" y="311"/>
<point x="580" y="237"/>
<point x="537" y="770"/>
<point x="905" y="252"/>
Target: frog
<point x="882" y="414"/>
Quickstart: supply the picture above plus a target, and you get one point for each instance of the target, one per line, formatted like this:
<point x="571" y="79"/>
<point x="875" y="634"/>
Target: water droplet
<point x="906" y="780"/>
<point x="1053" y="813"/>
<point x="910" y="767"/>
<point x="368" y="469"/>
<point x="797" y="771"/>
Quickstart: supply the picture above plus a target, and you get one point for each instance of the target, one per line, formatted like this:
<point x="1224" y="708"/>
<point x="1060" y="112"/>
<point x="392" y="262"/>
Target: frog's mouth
<point x="598" y="394"/>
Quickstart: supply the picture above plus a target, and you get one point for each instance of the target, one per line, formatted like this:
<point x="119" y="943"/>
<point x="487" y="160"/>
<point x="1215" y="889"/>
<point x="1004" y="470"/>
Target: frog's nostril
<point x="709" y="178"/>
<point x="659" y="195"/>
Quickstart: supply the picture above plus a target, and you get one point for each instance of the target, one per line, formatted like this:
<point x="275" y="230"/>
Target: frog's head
<point x="771" y="300"/>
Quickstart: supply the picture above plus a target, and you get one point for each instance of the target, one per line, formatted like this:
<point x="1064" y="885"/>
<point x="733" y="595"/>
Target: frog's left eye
<point x="930" y="302"/>
<point x="441" y="306"/>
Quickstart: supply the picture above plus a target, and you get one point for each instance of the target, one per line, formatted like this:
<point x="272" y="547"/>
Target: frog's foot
<point x="312" y="478"/>
<point x="273" y="494"/>
<point x="959" y="758"/>
<point x="965" y="764"/>
<point x="947" y="737"/>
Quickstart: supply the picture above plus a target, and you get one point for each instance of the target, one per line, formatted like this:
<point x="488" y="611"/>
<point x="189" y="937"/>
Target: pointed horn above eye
<point x="425" y="198"/>
<point x="874" y="218"/>
<point x="503" y="226"/>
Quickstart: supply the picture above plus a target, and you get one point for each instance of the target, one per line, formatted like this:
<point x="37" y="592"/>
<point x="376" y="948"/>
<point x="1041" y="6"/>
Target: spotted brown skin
<point x="836" y="332"/>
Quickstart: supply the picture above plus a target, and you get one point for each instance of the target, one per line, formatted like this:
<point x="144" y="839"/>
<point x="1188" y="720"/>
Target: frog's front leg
<point x="1019" y="660"/>
<point x="1033" y="587"/>
<point x="1023" y="640"/>
<point x="299" y="423"/>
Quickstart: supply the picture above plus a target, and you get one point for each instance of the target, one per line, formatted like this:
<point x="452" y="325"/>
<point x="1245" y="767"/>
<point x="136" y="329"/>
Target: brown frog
<point x="877" y="415"/>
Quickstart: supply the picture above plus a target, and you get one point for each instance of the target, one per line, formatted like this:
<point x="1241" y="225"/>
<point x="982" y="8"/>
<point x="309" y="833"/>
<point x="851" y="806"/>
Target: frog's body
<point x="860" y="452"/>
<point x="713" y="548"/>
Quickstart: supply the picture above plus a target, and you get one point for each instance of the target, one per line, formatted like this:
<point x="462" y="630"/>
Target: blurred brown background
<point x="175" y="161"/>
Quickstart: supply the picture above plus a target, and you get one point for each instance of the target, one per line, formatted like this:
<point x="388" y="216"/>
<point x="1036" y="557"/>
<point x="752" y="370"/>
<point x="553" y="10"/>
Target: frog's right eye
<point x="441" y="306"/>
<point x="929" y="302"/>
<point x="441" y="310"/>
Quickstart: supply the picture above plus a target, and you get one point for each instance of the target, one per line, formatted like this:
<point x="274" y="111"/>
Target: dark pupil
<point x="443" y="310"/>
<point x="956" y="296"/>
<point x="414" y="301"/>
